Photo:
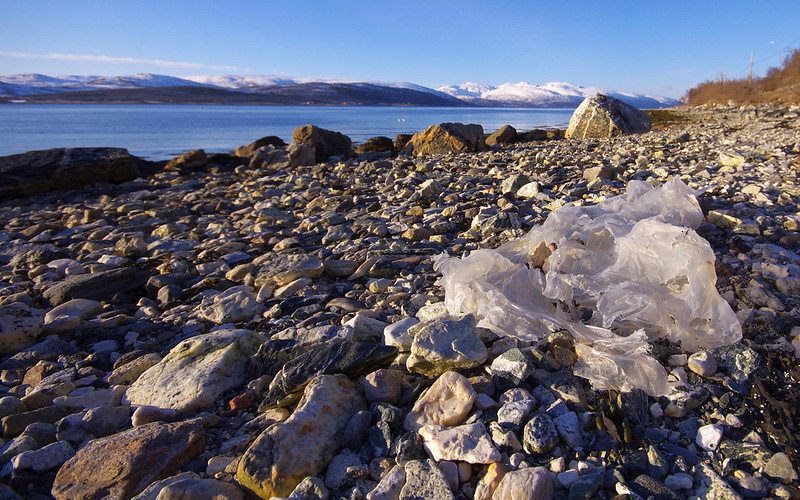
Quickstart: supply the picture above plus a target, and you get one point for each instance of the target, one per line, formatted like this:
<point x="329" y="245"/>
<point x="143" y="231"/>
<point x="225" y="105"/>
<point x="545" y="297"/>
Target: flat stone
<point x="284" y="269"/>
<point x="444" y="345"/>
<point x="69" y="315"/>
<point x="447" y="402"/>
<point x="230" y="306"/>
<point x="123" y="464"/>
<point x="425" y="480"/>
<point x="98" y="286"/>
<point x="46" y="458"/>
<point x="196" y="371"/>
<point x="302" y="445"/>
<point x="466" y="443"/>
<point x="530" y="483"/>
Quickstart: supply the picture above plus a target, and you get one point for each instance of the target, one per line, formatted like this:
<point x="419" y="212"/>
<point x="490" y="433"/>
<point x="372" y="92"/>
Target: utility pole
<point x="750" y="76"/>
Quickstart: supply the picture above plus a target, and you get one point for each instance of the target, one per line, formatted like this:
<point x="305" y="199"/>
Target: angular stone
<point x="303" y="445"/>
<point x="448" y="138"/>
<point x="447" y="402"/>
<point x="19" y="326"/>
<point x="326" y="143"/>
<point x="606" y="116"/>
<point x="349" y="358"/>
<point x="425" y="480"/>
<point x="98" y="286"/>
<point x="466" y="443"/>
<point x="196" y="371"/>
<point x="530" y="483"/>
<point x="444" y="345"/>
<point x="284" y="269"/>
<point x="124" y="464"/>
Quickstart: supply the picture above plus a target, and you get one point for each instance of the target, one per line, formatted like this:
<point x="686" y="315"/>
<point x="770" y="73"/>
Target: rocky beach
<point x="303" y="321"/>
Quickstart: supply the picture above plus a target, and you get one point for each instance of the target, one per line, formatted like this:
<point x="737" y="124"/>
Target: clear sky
<point x="661" y="48"/>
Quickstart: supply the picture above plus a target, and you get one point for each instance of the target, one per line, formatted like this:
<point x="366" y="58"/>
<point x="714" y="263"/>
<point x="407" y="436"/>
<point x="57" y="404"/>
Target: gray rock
<point x="350" y="358"/>
<point x="539" y="435"/>
<point x="606" y="116"/>
<point x="98" y="286"/>
<point x="445" y="344"/>
<point x="425" y="480"/>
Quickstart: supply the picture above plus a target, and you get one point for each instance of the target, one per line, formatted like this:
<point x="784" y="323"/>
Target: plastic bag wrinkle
<point x="633" y="260"/>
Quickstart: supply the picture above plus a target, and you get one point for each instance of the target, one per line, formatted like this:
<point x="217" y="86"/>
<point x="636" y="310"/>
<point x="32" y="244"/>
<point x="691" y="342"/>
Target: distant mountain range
<point x="235" y="89"/>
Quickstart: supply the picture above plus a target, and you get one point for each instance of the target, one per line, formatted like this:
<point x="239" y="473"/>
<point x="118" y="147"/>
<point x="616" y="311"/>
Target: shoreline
<point x="308" y="255"/>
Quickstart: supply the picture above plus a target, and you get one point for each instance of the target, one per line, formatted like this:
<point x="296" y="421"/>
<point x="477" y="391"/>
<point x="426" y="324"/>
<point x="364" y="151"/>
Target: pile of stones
<point x="271" y="324"/>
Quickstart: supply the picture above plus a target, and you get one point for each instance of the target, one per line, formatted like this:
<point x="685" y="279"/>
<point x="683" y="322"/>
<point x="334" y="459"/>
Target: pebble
<point x="344" y="252"/>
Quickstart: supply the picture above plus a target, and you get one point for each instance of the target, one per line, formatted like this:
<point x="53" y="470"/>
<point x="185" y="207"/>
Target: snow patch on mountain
<point x="551" y="94"/>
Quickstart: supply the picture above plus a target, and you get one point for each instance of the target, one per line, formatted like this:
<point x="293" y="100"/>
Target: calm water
<point x="160" y="131"/>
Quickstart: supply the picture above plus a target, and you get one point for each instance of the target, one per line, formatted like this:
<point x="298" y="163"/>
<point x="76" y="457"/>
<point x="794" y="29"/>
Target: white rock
<point x="49" y="457"/>
<point x="679" y="481"/>
<point x="466" y="443"/>
<point x="196" y="371"/>
<point x="709" y="436"/>
<point x="397" y="335"/>
<point x="702" y="363"/>
<point x="447" y="402"/>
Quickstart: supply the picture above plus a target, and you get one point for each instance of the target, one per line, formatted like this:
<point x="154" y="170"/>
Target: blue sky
<point x="642" y="46"/>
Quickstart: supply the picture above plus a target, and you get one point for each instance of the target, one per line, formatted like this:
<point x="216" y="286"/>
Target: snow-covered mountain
<point x="548" y="95"/>
<point x="522" y="94"/>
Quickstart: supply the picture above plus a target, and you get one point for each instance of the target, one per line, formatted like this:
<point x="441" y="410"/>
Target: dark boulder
<point x="604" y="116"/>
<point x="326" y="143"/>
<point x="270" y="140"/>
<point x="378" y="144"/>
<point x="37" y="172"/>
<point x="100" y="286"/>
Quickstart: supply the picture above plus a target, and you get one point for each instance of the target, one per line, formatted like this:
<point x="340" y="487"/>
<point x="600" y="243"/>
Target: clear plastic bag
<point x="633" y="264"/>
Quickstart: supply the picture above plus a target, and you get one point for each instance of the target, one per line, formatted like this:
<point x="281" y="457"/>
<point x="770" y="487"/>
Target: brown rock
<point x="326" y="143"/>
<point x="303" y="445"/>
<point x="448" y="138"/>
<point x="124" y="464"/>
<point x="504" y="135"/>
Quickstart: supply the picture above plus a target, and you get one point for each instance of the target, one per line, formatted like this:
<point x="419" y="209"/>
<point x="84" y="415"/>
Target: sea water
<point x="161" y="131"/>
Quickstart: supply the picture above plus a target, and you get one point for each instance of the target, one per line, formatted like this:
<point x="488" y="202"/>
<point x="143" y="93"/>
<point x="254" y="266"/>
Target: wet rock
<point x="447" y="402"/>
<point x="445" y="344"/>
<point x="605" y="116"/>
<point x="196" y="371"/>
<point x="303" y="444"/>
<point x="123" y="464"/>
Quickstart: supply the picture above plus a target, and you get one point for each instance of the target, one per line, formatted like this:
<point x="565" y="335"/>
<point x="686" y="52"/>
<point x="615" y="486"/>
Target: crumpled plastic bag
<point x="617" y="275"/>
